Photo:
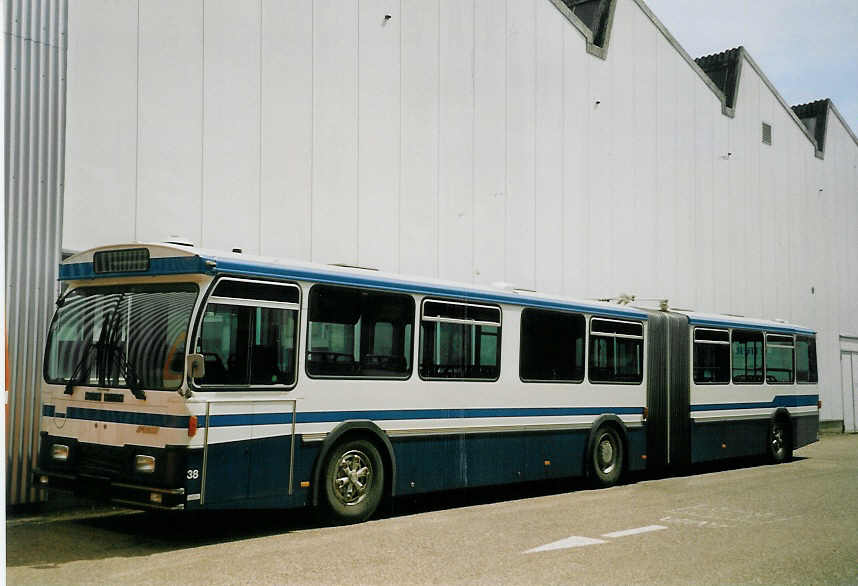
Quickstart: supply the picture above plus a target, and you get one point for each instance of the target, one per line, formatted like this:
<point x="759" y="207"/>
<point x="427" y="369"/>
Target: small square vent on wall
<point x="767" y="133"/>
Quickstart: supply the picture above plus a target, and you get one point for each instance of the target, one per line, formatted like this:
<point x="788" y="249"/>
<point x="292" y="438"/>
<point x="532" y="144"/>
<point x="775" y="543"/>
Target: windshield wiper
<point x="79" y="368"/>
<point x="108" y="351"/>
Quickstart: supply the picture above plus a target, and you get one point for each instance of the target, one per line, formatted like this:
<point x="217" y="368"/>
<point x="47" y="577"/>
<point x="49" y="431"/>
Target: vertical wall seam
<point x="138" y="110"/>
<point x="203" y="128"/>
<point x="506" y="140"/>
<point x="357" y="133"/>
<point x="473" y="137"/>
<point x="436" y="228"/>
<point x="401" y="143"/>
<point x="260" y="37"/>
<point x="312" y="130"/>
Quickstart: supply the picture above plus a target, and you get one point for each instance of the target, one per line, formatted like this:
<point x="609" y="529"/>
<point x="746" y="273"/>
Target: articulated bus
<point x="181" y="378"/>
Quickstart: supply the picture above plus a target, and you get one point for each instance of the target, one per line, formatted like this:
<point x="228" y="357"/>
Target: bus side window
<point x="459" y="341"/>
<point x="780" y="360"/>
<point x="616" y="351"/>
<point x="805" y="360"/>
<point x="552" y="346"/>
<point x="711" y="356"/>
<point x="249" y="333"/>
<point x="746" y="348"/>
<point x="357" y="333"/>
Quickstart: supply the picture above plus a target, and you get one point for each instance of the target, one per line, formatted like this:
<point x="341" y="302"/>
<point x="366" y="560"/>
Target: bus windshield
<point x="130" y="336"/>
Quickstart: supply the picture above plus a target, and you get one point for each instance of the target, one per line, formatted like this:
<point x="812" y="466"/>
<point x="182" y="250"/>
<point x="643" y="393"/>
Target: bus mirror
<point x="196" y="366"/>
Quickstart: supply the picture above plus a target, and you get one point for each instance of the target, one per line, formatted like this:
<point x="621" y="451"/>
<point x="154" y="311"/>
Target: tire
<point x="354" y="481"/>
<point x="780" y="442"/>
<point x="606" y="457"/>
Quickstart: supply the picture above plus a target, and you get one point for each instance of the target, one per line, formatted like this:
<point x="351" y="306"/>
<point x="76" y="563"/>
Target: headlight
<point x="59" y="452"/>
<point x="144" y="464"/>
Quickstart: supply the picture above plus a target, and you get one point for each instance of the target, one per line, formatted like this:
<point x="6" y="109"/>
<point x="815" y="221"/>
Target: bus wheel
<point x="606" y="457"/>
<point x="354" y="481"/>
<point x="780" y="444"/>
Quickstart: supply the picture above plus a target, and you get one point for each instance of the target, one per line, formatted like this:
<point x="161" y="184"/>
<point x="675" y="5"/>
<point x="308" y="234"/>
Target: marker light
<point x="645" y="413"/>
<point x="144" y="464"/>
<point x="192" y="426"/>
<point x="155" y="497"/>
<point x="819" y="404"/>
<point x="59" y="452"/>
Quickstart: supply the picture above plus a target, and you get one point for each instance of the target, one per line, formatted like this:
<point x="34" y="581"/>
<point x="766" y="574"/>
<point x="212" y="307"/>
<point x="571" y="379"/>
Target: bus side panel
<point x="637" y="447"/>
<point x="429" y="463"/>
<point x="718" y="440"/>
<point x="805" y="429"/>
<point x="227" y="472"/>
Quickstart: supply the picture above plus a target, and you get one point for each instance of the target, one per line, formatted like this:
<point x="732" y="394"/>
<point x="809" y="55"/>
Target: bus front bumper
<point x="105" y="489"/>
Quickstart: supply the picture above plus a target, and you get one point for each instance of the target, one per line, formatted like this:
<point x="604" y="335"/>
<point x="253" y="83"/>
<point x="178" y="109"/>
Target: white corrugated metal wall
<point x="474" y="140"/>
<point x="34" y="102"/>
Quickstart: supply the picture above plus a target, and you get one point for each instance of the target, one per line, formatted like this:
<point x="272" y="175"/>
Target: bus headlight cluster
<point x="144" y="464"/>
<point x="60" y="452"/>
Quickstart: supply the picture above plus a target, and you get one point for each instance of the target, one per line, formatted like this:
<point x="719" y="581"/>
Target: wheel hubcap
<point x="777" y="440"/>
<point x="352" y="478"/>
<point x="605" y="454"/>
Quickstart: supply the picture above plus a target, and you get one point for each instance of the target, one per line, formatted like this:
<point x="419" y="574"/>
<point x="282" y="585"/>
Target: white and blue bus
<point x="181" y="378"/>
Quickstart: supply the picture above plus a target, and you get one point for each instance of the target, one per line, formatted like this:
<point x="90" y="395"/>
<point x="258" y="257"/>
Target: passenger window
<point x="747" y="356"/>
<point x="616" y="351"/>
<point x="459" y="341"/>
<point x="711" y="356"/>
<point x="805" y="360"/>
<point x="354" y="333"/>
<point x="780" y="365"/>
<point x="250" y="340"/>
<point x="552" y="346"/>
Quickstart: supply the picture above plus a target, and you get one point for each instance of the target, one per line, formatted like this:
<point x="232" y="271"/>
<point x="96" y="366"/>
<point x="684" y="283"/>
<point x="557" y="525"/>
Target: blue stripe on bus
<point x="779" y="401"/>
<point x="181" y="421"/>
<point x="724" y="323"/>
<point x="174" y="265"/>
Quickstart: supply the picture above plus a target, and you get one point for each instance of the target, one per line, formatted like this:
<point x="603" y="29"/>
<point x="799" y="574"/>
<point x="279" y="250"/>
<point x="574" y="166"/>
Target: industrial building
<point x="564" y="146"/>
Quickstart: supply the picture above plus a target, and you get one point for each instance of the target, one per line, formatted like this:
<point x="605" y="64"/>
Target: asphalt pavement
<point x="741" y="522"/>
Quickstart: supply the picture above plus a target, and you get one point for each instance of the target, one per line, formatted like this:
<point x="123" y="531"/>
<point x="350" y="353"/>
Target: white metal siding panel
<point x="287" y="128"/>
<point x="231" y="161"/>
<point x="521" y="141"/>
<point x="664" y="220"/>
<point x="420" y="156"/>
<point x="576" y="108"/>
<point x="456" y="141"/>
<point x="490" y="103"/>
<point x="548" y="155"/>
<point x="335" y="152"/>
<point x="169" y="172"/>
<point x="643" y="157"/>
<point x="102" y="97"/>
<point x="617" y="112"/>
<point x="379" y="40"/>
<point x="35" y="53"/>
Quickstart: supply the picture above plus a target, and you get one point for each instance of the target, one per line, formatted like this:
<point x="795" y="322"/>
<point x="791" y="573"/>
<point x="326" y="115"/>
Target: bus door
<point x="248" y="338"/>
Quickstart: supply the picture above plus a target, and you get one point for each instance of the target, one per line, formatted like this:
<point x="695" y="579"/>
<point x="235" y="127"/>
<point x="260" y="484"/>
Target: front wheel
<point x="780" y="442"/>
<point x="354" y="481"/>
<point x="606" y="457"/>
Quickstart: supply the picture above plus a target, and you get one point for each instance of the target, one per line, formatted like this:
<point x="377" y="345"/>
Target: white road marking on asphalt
<point x="573" y="541"/>
<point x="635" y="531"/>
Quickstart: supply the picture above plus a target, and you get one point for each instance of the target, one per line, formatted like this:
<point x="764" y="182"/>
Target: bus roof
<point x="169" y="259"/>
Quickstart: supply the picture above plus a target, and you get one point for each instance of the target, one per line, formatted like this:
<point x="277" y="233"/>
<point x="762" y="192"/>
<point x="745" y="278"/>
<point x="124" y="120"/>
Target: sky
<point x="807" y="48"/>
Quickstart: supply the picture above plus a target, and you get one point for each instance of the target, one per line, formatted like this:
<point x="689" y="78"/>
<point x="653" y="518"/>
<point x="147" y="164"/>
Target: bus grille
<point x="100" y="460"/>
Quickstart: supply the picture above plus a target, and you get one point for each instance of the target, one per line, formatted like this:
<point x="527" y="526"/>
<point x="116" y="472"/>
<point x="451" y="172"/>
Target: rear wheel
<point x="780" y="442"/>
<point x="606" y="457"/>
<point x="354" y="481"/>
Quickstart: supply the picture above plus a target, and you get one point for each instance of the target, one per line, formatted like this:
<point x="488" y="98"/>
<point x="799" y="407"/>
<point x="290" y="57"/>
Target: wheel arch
<point x="354" y="429"/>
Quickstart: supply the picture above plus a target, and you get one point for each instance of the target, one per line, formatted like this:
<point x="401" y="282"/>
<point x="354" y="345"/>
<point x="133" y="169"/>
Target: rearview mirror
<point x="196" y="366"/>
